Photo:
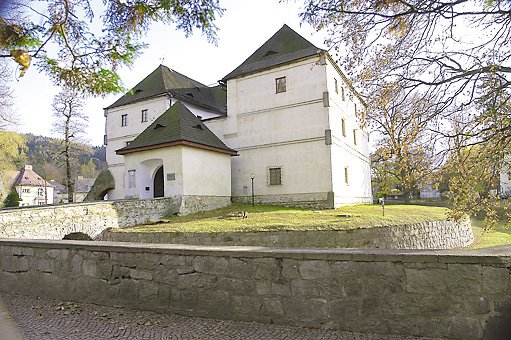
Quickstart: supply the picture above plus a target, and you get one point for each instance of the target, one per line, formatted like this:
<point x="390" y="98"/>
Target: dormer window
<point x="158" y="126"/>
<point x="270" y="52"/>
<point x="280" y="85"/>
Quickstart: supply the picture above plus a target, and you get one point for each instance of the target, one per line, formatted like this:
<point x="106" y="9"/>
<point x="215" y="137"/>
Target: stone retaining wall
<point x="444" y="294"/>
<point x="426" y="235"/>
<point x="54" y="222"/>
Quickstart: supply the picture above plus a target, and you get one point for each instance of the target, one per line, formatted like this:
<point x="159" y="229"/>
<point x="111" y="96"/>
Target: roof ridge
<point x="282" y="47"/>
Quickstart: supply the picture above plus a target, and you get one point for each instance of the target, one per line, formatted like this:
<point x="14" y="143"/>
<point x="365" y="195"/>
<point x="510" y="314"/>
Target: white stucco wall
<point x="118" y="136"/>
<point x="288" y="130"/>
<point x="206" y="173"/>
<point x="196" y="171"/>
<point x="29" y="195"/>
<point x="505" y="182"/>
<point x="345" y="153"/>
<point x="284" y="130"/>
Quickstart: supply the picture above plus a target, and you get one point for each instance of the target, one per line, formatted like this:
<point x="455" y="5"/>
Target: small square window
<point x="144" y="116"/>
<point x="343" y="126"/>
<point x="275" y="176"/>
<point x="346" y="176"/>
<point x="280" y="85"/>
<point x="124" y="120"/>
<point x="336" y="86"/>
<point x="355" y="136"/>
<point x="131" y="179"/>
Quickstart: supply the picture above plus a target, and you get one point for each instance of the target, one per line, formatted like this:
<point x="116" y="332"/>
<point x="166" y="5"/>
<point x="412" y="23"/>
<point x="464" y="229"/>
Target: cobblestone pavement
<point x="41" y="319"/>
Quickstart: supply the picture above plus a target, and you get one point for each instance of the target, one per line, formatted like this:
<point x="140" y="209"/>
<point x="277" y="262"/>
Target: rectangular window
<point x="355" y="136"/>
<point x="343" y="125"/>
<point x="336" y="86"/>
<point x="346" y="176"/>
<point x="275" y="176"/>
<point x="104" y="140"/>
<point x="131" y="179"/>
<point x="26" y="190"/>
<point x="280" y="85"/>
<point x="342" y="94"/>
<point x="355" y="108"/>
<point x="124" y="120"/>
<point x="144" y="116"/>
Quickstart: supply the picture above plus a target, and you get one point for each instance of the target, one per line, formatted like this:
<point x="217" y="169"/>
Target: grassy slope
<point x="500" y="235"/>
<point x="269" y="218"/>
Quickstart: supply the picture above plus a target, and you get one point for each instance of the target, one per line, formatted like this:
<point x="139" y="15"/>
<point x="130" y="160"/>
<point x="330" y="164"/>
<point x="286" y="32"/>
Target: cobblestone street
<point x="41" y="319"/>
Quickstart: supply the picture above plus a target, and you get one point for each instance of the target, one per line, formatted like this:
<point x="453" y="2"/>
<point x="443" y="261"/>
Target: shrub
<point x="12" y="200"/>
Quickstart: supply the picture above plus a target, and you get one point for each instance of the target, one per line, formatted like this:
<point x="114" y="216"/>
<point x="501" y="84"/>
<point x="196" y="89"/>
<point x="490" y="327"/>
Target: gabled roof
<point x="176" y="126"/>
<point x="164" y="80"/>
<point x="284" y="46"/>
<point x="28" y="177"/>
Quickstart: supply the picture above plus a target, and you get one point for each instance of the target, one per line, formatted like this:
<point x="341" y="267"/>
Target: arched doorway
<point x="158" y="183"/>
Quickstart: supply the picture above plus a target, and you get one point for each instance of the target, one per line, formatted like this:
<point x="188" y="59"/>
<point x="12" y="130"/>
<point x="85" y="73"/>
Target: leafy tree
<point x="11" y="150"/>
<point x="62" y="39"/>
<point x="88" y="170"/>
<point x="455" y="54"/>
<point x="446" y="50"/>
<point x="471" y="175"/>
<point x="6" y="115"/>
<point x="403" y="157"/>
<point x="12" y="199"/>
<point x="70" y="122"/>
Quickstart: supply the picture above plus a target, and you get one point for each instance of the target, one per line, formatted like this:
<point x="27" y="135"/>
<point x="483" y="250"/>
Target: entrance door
<point x="158" y="183"/>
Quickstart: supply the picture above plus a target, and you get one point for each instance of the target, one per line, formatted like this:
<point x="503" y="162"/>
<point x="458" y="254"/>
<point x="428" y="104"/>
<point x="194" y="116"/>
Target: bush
<point x="12" y="200"/>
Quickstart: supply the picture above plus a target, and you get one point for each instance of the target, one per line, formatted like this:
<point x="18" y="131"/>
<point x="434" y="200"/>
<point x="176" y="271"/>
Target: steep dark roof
<point x="167" y="81"/>
<point x="30" y="178"/>
<point x="176" y="126"/>
<point x="284" y="46"/>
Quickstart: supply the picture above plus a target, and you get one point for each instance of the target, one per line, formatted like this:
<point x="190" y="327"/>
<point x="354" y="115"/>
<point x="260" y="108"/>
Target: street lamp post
<point x="252" y="176"/>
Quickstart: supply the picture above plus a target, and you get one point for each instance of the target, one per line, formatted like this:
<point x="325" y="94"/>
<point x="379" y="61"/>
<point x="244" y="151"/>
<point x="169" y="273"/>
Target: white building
<point x="32" y="188"/>
<point x="505" y="182"/>
<point x="285" y="116"/>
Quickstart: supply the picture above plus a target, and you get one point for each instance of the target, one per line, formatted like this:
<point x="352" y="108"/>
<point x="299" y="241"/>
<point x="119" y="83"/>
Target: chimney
<point x="28" y="167"/>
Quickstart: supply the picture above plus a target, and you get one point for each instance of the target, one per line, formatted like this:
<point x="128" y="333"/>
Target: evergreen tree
<point x="12" y="200"/>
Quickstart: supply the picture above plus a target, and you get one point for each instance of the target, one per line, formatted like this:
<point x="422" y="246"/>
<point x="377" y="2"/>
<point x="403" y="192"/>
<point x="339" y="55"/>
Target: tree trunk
<point x="406" y="195"/>
<point x="67" y="151"/>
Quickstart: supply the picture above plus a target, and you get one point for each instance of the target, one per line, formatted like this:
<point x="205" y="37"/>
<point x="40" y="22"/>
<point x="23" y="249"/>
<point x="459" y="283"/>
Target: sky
<point x="244" y="27"/>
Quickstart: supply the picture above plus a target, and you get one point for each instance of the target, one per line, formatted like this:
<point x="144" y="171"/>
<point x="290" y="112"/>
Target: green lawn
<point x="271" y="218"/>
<point x="499" y="235"/>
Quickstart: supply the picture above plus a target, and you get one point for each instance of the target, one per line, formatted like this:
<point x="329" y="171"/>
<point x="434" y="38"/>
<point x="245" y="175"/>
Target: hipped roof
<point x="30" y="178"/>
<point x="176" y="126"/>
<point x="164" y="80"/>
<point x="284" y="46"/>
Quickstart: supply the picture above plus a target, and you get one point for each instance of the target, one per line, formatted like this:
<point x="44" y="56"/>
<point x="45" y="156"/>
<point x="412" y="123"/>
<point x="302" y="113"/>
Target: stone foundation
<point x="320" y="200"/>
<point x="440" y="294"/>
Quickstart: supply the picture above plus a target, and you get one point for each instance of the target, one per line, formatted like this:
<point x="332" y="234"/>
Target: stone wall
<point x="319" y="200"/>
<point x="443" y="294"/>
<point x="427" y="235"/>
<point x="54" y="222"/>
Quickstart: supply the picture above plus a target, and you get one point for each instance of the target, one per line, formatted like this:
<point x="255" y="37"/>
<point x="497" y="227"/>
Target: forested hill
<point x="45" y="155"/>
